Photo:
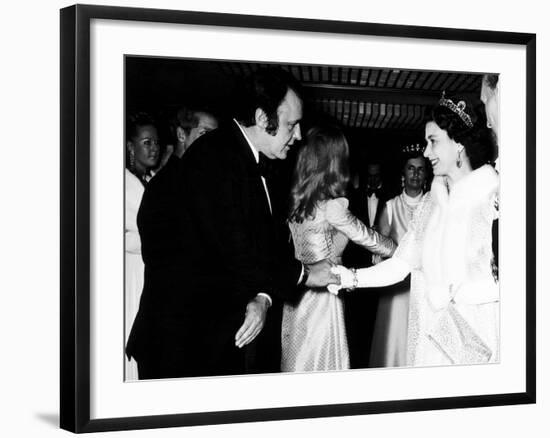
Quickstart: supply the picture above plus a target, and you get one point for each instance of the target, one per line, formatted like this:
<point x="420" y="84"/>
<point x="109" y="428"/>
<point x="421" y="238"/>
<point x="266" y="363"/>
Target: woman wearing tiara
<point x="389" y="344"/>
<point x="313" y="328"/>
<point x="454" y="301"/>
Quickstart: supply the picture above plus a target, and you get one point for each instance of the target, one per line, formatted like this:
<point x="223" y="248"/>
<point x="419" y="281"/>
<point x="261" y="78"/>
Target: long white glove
<point x="388" y="272"/>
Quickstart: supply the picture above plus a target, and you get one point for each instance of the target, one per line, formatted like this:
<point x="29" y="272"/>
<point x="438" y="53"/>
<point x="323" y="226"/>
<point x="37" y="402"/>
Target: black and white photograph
<point x="271" y="218"/>
<point x="275" y="219"/>
<point x="303" y="218"/>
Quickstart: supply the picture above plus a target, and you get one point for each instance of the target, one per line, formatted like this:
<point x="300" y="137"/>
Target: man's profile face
<point x="290" y="114"/>
<point x="374" y="176"/>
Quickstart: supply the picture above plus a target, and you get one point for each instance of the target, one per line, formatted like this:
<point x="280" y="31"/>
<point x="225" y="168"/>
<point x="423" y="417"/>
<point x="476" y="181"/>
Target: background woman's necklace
<point x="410" y="204"/>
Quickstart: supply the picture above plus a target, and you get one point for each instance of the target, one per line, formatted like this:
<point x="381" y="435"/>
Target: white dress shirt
<point x="372" y="205"/>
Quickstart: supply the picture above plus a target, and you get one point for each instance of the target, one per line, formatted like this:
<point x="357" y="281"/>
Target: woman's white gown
<point x="455" y="299"/>
<point x="134" y="267"/>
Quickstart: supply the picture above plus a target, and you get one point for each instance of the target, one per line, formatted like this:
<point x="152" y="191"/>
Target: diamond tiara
<point x="413" y="149"/>
<point x="457" y="108"/>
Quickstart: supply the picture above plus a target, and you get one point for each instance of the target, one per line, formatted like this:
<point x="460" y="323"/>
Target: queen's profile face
<point x="441" y="150"/>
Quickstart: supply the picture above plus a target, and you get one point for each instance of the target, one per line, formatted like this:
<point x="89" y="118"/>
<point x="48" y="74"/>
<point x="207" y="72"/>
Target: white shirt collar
<point x="252" y="148"/>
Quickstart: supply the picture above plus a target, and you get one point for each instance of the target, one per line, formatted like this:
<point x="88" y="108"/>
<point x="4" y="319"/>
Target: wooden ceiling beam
<point x="373" y="94"/>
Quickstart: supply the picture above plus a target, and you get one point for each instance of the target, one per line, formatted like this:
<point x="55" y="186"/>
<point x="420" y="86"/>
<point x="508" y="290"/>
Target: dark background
<point x="380" y="109"/>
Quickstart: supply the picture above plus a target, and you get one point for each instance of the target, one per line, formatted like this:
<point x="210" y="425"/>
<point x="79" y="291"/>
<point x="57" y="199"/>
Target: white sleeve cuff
<point x="262" y="294"/>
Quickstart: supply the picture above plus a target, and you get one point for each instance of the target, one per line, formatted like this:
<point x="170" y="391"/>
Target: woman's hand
<point x="348" y="279"/>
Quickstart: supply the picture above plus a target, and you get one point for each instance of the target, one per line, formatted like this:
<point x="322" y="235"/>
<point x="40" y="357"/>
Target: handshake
<point x="348" y="279"/>
<point x="334" y="277"/>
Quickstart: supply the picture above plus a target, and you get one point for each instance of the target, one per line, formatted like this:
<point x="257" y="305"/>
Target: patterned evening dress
<point x="313" y="329"/>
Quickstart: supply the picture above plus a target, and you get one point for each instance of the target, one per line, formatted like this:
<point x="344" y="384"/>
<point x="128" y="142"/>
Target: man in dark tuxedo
<point x="366" y="203"/>
<point x="225" y="258"/>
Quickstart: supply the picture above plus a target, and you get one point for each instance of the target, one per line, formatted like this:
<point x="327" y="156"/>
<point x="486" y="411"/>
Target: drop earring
<point x="402" y="182"/>
<point x="459" y="160"/>
<point x="132" y="160"/>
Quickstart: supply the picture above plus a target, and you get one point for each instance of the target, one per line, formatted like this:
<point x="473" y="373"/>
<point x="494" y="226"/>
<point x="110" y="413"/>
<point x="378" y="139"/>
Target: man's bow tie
<point x="372" y="192"/>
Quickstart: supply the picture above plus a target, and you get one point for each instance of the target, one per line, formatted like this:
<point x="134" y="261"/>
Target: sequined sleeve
<point x="342" y="219"/>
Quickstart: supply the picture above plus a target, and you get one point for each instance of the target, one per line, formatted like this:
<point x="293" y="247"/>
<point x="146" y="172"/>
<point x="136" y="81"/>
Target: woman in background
<point x="142" y="154"/>
<point x="454" y="301"/>
<point x="313" y="329"/>
<point x="389" y="345"/>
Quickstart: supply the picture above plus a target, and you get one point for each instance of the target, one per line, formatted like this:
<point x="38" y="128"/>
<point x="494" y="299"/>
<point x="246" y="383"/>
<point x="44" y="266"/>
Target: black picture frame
<point x="75" y="217"/>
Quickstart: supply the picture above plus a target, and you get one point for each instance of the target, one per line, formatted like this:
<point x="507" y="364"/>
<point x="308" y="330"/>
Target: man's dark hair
<point x="265" y="89"/>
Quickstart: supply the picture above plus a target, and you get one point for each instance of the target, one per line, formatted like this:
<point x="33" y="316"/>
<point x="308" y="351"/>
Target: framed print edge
<point x="67" y="219"/>
<point x="75" y="220"/>
<point x="531" y="250"/>
<point x="75" y="227"/>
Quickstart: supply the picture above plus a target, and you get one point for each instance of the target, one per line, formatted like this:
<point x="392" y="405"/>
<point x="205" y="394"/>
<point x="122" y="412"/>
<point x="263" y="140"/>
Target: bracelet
<point x="355" y="280"/>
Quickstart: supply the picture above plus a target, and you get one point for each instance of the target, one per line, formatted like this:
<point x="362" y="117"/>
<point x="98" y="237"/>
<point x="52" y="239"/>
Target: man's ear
<point x="261" y="118"/>
<point x="180" y="134"/>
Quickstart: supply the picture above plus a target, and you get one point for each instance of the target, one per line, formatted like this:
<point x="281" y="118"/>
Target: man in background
<point x="367" y="200"/>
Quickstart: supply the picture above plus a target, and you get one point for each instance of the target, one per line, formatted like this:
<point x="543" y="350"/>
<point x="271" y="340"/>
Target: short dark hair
<point x="187" y="118"/>
<point x="265" y="89"/>
<point x="478" y="140"/>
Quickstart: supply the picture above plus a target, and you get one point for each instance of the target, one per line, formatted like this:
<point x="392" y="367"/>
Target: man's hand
<point x="320" y="274"/>
<point x="254" y="321"/>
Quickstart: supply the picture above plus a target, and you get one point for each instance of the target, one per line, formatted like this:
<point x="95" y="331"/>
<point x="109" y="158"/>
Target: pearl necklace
<point x="410" y="203"/>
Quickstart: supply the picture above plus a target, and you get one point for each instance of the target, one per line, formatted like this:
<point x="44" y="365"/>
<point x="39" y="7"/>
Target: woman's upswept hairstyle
<point x="134" y="122"/>
<point x="409" y="152"/>
<point x="478" y="140"/>
<point x="321" y="171"/>
<point x="137" y="120"/>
